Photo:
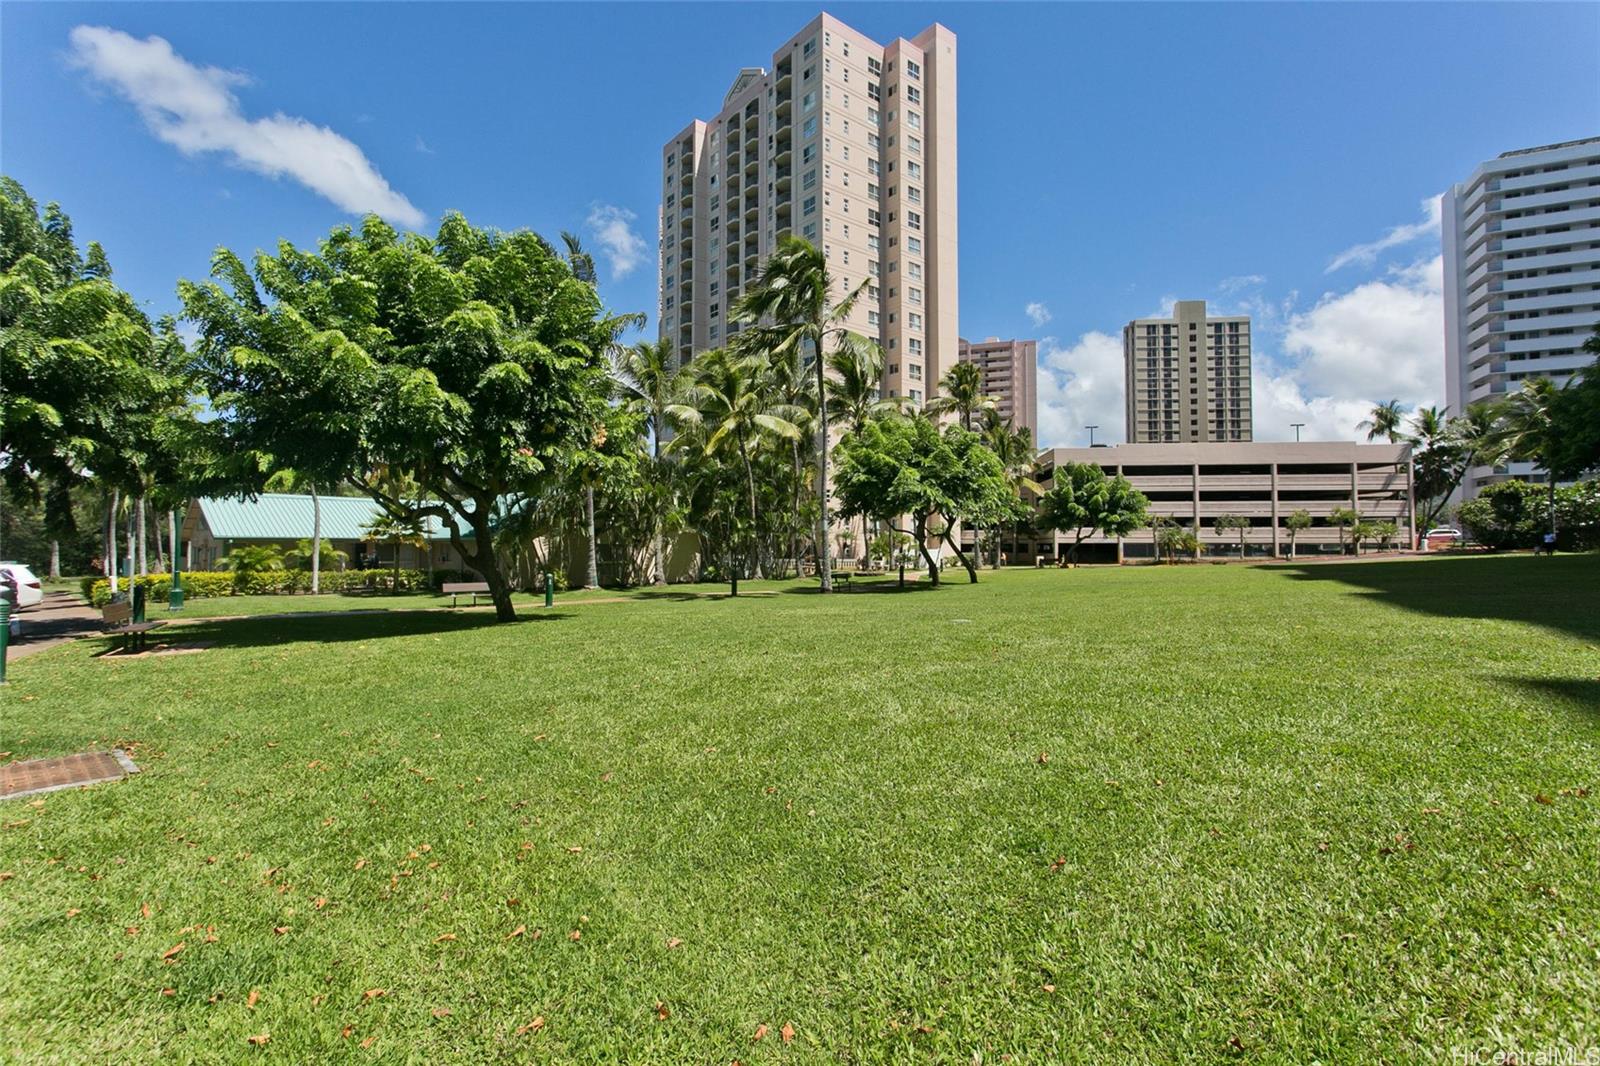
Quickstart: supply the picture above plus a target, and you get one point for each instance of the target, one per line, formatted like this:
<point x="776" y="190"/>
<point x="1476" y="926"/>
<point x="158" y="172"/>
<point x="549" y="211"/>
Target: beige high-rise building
<point x="848" y="143"/>
<point x="1188" y="376"/>
<point x="1010" y="374"/>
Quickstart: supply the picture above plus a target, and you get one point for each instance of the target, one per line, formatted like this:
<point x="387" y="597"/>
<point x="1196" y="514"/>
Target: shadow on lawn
<point x="1559" y="593"/>
<point x="1582" y="693"/>
<point x="878" y="585"/>
<point x="337" y="628"/>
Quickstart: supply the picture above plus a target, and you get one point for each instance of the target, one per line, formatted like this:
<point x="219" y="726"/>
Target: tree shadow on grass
<point x="1562" y="593"/>
<point x="1582" y="693"/>
<point x="882" y="585"/>
<point x="338" y="628"/>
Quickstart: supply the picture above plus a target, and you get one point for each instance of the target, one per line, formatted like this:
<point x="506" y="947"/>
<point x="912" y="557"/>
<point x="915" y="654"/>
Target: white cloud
<point x="1080" y="386"/>
<point x="1366" y="254"/>
<point x="1037" y="313"/>
<point x="422" y="146"/>
<point x="612" y="228"/>
<point x="193" y="109"/>
<point x="1241" y="281"/>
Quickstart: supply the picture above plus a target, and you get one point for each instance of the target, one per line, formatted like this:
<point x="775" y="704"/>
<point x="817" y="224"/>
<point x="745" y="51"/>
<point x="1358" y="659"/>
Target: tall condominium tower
<point x="1010" y="374"/>
<point x="1188" y="376"/>
<point x="848" y="143"/>
<point x="1521" y="277"/>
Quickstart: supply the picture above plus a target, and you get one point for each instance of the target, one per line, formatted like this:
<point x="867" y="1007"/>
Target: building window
<point x="873" y="142"/>
<point x="916" y="397"/>
<point x="913" y="319"/>
<point x="914" y="295"/>
<point x="914" y="245"/>
<point x="810" y="206"/>
<point x="914" y="145"/>
<point x="873" y="67"/>
<point x="913" y="70"/>
<point x="914" y="371"/>
<point x="810" y="48"/>
<point x="913" y="220"/>
<point x="914" y="169"/>
<point x="914" y="270"/>
<point x="810" y="231"/>
<point x="913" y="94"/>
<point x="809" y="179"/>
<point x="914" y="345"/>
<point x="913" y="120"/>
<point x="872" y="116"/>
<point x="913" y="194"/>
<point x="808" y="102"/>
<point x="808" y="153"/>
<point x="873" y="318"/>
<point x="872" y="216"/>
<point x="872" y="241"/>
<point x="810" y="128"/>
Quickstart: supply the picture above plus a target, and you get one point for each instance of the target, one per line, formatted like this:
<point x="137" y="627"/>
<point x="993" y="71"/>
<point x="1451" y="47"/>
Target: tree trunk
<point x="824" y="562"/>
<point x="144" y="547"/>
<point x="920" y="531"/>
<point x="394" y="588"/>
<point x="592" y="578"/>
<point x="485" y="562"/>
<point x="111" y="539"/>
<point x="316" y="540"/>
<point x="794" y="535"/>
<point x="972" y="571"/>
<point x="155" y="535"/>
<point x="55" y="558"/>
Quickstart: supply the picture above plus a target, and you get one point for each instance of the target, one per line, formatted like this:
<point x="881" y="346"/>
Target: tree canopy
<point x="472" y="364"/>
<point x="1082" y="500"/>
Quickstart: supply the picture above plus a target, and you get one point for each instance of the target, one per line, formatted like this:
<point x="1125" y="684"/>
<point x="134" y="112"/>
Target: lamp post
<point x="1091" y="430"/>
<point x="1297" y="427"/>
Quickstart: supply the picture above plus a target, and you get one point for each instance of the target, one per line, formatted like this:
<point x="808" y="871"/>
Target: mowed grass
<point x="1329" y="812"/>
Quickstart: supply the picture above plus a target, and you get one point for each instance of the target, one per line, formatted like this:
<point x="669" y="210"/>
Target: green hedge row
<point x="198" y="583"/>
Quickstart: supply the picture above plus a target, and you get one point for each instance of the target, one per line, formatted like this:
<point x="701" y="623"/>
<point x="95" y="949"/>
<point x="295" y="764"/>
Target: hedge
<point x="204" y="583"/>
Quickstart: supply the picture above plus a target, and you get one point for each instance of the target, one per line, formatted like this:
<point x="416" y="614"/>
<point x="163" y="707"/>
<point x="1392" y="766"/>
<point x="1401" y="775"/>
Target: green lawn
<point x="1336" y="812"/>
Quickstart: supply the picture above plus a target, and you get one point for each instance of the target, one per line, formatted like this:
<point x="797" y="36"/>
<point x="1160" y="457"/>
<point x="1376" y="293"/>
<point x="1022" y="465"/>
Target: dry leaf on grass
<point x="674" y="942"/>
<point x="374" y="993"/>
<point x="761" y="1031"/>
<point x="369" y="1041"/>
<point x="260" y="1038"/>
<point x="518" y="931"/>
<point x="444" y="938"/>
<point x="255" y="995"/>
<point x="172" y="952"/>
<point x="575" y="935"/>
<point x="662" y="1013"/>
<point x="787" y="1032"/>
<point x="533" y="1026"/>
<point x="441" y="1012"/>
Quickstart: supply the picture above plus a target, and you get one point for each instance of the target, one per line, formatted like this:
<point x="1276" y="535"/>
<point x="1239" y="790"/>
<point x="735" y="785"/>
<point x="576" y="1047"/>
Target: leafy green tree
<point x="1344" y="518"/>
<point x="1233" y="523"/>
<point x="1082" y="500"/>
<point x="1385" y="420"/>
<point x="319" y="555"/>
<point x="961" y="391"/>
<point x="1529" y="431"/>
<point x="649" y="383"/>
<point x="472" y="364"/>
<point x="905" y="467"/>
<point x="1014" y="448"/>
<point x="790" y="310"/>
<point x="1173" y="540"/>
<point x="1295" y="522"/>
<point x="1576" y="416"/>
<point x="406" y="529"/>
<point x="253" y="559"/>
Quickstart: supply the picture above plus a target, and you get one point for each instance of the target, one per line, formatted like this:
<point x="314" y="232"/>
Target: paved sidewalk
<point x="60" y="618"/>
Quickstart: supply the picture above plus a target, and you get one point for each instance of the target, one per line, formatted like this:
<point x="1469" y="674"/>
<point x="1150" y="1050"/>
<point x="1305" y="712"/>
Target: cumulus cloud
<point x="193" y="109"/>
<point x="1037" y="313"/>
<point x="612" y="229"/>
<point x="1367" y="254"/>
<point x="1080" y="385"/>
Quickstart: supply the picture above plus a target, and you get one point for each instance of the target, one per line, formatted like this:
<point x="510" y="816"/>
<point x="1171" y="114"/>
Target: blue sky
<point x="1113" y="156"/>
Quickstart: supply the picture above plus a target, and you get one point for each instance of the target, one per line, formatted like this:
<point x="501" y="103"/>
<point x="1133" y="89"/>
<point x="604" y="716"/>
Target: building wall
<point x="848" y="143"/>
<point x="1187" y="378"/>
<point x="1264" y="482"/>
<point x="1521" y="243"/>
<point x="1010" y="374"/>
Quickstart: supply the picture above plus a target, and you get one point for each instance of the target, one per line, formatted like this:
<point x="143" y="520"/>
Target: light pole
<point x="1091" y="430"/>
<point x="1297" y="426"/>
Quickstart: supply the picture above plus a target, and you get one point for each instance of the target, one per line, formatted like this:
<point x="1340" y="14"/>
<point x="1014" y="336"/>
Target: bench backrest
<point x="465" y="586"/>
<point x="115" y="614"/>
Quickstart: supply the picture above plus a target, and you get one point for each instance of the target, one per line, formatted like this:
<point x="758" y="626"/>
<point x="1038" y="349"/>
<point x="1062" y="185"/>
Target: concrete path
<point x="60" y="618"/>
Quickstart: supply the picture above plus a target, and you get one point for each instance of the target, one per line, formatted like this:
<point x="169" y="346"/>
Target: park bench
<point x="462" y="588"/>
<point x="118" y="621"/>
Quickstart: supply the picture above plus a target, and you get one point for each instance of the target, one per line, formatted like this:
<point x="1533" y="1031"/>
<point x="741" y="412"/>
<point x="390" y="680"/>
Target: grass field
<point x="1333" y="812"/>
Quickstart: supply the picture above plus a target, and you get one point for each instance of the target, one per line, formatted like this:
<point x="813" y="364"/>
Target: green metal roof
<point x="282" y="516"/>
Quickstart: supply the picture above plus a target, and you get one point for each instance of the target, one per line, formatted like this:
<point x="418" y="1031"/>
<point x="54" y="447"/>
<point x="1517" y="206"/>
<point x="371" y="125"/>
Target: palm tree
<point x="855" y="389"/>
<point x="1527" y="430"/>
<point x="961" y="391"/>
<point x="399" y="531"/>
<point x="1014" y="448"/>
<point x="793" y="293"/>
<point x="730" y="411"/>
<point x="292" y="481"/>
<point x="649" y="383"/>
<point x="1384" y="421"/>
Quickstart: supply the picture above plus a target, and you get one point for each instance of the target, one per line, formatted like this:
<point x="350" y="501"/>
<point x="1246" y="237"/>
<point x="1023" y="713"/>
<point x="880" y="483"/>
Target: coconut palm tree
<point x="648" y="382"/>
<point x="1527" y="430"/>
<point x="1014" y="448"/>
<point x="731" y="412"/>
<point x="855" y="388"/>
<point x="961" y="391"/>
<point x="1386" y="420"/>
<point x="793" y="295"/>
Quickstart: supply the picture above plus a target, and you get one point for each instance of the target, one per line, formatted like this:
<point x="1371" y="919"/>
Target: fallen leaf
<point x="443" y="938"/>
<point x="1235" y="1043"/>
<point x="144" y="910"/>
<point x="673" y="943"/>
<point x="1050" y="988"/>
<point x="1322" y="845"/>
<point x="374" y="993"/>
<point x="1578" y="792"/>
<point x="575" y="850"/>
<point x="6" y="875"/>
<point x="320" y="903"/>
<point x="662" y="1013"/>
<point x="1044" y="757"/>
<point x="260" y="1038"/>
<point x="344" y="1034"/>
<point x="215" y="997"/>
<point x="369" y="1041"/>
<point x="441" y="1012"/>
<point x="533" y="1026"/>
<point x="169" y="991"/>
<point x="211" y="938"/>
<point x="761" y="1031"/>
<point x="574" y="935"/>
<point x="255" y="996"/>
<point x="360" y="863"/>
<point x="787" y="1032"/>
<point x="1432" y="810"/>
<point x="1058" y="864"/>
<point x="280" y="929"/>
<point x="1542" y="798"/>
<point x="606" y="776"/>
<point x="172" y="952"/>
<point x="518" y="931"/>
<point x="132" y="930"/>
<point x="73" y="912"/>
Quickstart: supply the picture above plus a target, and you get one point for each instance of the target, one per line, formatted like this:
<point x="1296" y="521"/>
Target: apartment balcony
<point x="1569" y="217"/>
<point x="784" y="109"/>
<point x="784" y="153"/>
<point x="785" y="80"/>
<point x="752" y="165"/>
<point x="1533" y="181"/>
<point x="1554" y="300"/>
<point x="1588" y="275"/>
<point x="1536" y="242"/>
<point x="785" y="177"/>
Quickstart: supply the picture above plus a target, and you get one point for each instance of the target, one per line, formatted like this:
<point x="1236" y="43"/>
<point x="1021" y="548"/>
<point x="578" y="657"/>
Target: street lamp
<point x="1297" y="426"/>
<point x="1091" y="430"/>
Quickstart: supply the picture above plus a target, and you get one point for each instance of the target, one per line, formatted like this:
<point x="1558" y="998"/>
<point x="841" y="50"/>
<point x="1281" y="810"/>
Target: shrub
<point x="1507" y="514"/>
<point x="199" y="584"/>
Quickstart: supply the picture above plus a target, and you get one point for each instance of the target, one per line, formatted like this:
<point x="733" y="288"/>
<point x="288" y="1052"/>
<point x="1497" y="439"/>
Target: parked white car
<point x="1445" y="533"/>
<point x="27" y="590"/>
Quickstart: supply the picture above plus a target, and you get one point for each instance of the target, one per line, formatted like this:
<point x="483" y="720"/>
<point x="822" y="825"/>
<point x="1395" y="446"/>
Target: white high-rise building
<point x="1521" y="277"/>
<point x="850" y="144"/>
